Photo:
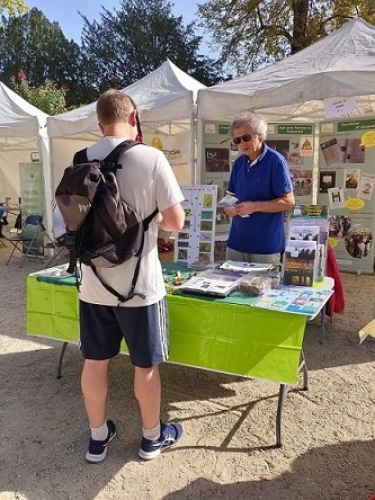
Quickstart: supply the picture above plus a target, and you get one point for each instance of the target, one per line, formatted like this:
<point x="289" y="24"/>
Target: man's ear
<point x="133" y="118"/>
<point x="101" y="128"/>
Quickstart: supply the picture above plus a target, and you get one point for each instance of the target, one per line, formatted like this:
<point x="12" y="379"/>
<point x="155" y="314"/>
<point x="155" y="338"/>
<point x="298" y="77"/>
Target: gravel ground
<point x="228" y="449"/>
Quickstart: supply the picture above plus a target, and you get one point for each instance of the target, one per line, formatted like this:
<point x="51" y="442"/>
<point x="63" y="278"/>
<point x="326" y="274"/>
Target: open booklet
<point x="212" y="284"/>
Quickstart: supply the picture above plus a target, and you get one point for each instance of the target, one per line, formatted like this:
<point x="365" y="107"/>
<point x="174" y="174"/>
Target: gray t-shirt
<point x="146" y="181"/>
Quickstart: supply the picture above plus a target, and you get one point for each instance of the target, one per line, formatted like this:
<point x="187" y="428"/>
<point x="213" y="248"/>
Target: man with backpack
<point x="145" y="182"/>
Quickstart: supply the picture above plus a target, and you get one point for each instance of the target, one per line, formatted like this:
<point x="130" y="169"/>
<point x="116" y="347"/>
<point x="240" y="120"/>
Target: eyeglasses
<point x="244" y="138"/>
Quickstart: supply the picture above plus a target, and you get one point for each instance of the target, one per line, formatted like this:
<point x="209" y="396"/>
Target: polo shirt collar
<point x="261" y="156"/>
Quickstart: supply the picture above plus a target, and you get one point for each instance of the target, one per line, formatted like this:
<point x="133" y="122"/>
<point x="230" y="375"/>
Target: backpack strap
<point x="80" y="157"/>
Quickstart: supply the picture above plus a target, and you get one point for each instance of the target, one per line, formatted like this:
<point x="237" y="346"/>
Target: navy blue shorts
<point x="145" y="330"/>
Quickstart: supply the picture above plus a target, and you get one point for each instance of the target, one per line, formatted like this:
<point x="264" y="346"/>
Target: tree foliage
<point x="48" y="97"/>
<point x="252" y="33"/>
<point x="13" y="6"/>
<point x="130" y="42"/>
<point x="37" y="46"/>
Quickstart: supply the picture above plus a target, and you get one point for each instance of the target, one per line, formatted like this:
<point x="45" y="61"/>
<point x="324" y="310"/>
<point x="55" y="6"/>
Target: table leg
<point x="322" y="324"/>
<point x="59" y="365"/>
<point x="283" y="392"/>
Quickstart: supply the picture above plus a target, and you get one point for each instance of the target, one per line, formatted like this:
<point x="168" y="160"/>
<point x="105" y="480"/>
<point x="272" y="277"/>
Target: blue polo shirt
<point x="262" y="180"/>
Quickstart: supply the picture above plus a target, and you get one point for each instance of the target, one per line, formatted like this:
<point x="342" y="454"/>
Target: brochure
<point x="308" y="301"/>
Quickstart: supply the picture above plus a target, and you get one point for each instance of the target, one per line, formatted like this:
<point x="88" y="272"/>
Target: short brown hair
<point x="114" y="106"/>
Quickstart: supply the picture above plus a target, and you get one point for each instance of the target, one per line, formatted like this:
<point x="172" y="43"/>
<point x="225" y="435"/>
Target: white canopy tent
<point x="22" y="132"/>
<point x="340" y="65"/>
<point x="166" y="99"/>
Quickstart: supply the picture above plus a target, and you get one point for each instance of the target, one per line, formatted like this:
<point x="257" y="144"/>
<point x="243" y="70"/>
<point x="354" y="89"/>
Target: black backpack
<point x="102" y="229"/>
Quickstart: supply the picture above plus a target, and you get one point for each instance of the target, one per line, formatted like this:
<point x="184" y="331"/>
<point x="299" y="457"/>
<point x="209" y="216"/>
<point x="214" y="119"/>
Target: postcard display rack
<point x="346" y="184"/>
<point x="194" y="244"/>
<point x="305" y="253"/>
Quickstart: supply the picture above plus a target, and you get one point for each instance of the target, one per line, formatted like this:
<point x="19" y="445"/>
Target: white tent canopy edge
<point x="340" y="65"/>
<point x="22" y="131"/>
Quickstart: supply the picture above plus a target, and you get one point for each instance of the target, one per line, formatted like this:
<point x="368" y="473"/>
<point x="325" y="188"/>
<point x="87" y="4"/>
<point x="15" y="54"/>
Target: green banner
<point x="294" y="129"/>
<point x="32" y="198"/>
<point x="355" y="125"/>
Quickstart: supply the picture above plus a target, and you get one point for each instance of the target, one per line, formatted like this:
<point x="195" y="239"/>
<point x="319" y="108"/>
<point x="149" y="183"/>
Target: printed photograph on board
<point x="327" y="180"/>
<point x="217" y="160"/>
<point x="358" y="241"/>
<point x="280" y="145"/>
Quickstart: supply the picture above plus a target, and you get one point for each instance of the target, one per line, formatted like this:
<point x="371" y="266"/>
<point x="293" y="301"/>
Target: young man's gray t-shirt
<point x="146" y="181"/>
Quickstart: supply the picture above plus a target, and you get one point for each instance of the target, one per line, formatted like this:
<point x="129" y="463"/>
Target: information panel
<point x="346" y="184"/>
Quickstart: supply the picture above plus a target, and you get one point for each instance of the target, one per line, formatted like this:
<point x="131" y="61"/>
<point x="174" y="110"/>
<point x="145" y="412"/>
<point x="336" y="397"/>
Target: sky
<point x="66" y="13"/>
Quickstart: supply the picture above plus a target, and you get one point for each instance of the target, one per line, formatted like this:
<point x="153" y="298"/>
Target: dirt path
<point x="227" y="451"/>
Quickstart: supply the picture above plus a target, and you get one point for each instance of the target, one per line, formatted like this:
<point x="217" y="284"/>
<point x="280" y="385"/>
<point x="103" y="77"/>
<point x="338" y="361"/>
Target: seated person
<point x="3" y="218"/>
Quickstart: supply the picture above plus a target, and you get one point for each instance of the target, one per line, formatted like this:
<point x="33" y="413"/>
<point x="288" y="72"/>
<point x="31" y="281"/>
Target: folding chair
<point x="57" y="246"/>
<point x="24" y="240"/>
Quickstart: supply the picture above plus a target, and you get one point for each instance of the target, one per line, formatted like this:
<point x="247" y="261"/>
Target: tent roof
<point x="339" y="65"/>
<point x="18" y="118"/>
<point x="166" y="94"/>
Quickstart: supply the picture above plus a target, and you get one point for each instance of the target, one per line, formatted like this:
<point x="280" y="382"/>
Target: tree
<point x="37" y="46"/>
<point x="47" y="97"/>
<point x="13" y="6"/>
<point x="252" y="33"/>
<point x="128" y="43"/>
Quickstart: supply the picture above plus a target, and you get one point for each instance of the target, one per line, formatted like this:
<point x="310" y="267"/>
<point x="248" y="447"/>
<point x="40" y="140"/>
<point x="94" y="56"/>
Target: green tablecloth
<point x="214" y="334"/>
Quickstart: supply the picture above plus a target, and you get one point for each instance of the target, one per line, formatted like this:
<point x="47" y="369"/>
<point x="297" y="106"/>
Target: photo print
<point x="351" y="150"/>
<point x="304" y="233"/>
<point x="280" y="145"/>
<point x="352" y="178"/>
<point x="358" y="241"/>
<point x="208" y="201"/>
<point x="307" y="145"/>
<point x="327" y="180"/>
<point x="302" y="182"/>
<point x="204" y="258"/>
<point x="339" y="226"/>
<point x="366" y="186"/>
<point x="217" y="160"/>
<point x="336" y="197"/>
<point x="295" y="159"/>
<point x="207" y="215"/>
<point x="182" y="254"/>
<point x="206" y="225"/>
<point x="205" y="236"/>
<point x="205" y="247"/>
<point x="221" y="216"/>
<point x="331" y="152"/>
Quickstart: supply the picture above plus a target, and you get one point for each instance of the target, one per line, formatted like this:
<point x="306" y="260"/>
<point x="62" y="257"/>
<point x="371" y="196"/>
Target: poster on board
<point x="195" y="242"/>
<point x="346" y="184"/>
<point x="32" y="197"/>
<point x="296" y="144"/>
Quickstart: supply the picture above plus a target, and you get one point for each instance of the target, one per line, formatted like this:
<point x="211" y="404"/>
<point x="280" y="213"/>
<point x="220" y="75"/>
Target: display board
<point x="346" y="182"/>
<point x="195" y="243"/>
<point x="294" y="142"/>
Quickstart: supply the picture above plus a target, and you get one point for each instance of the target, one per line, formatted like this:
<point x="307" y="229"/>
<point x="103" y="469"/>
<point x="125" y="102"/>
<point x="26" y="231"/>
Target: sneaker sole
<point x="153" y="454"/>
<point x="95" y="459"/>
